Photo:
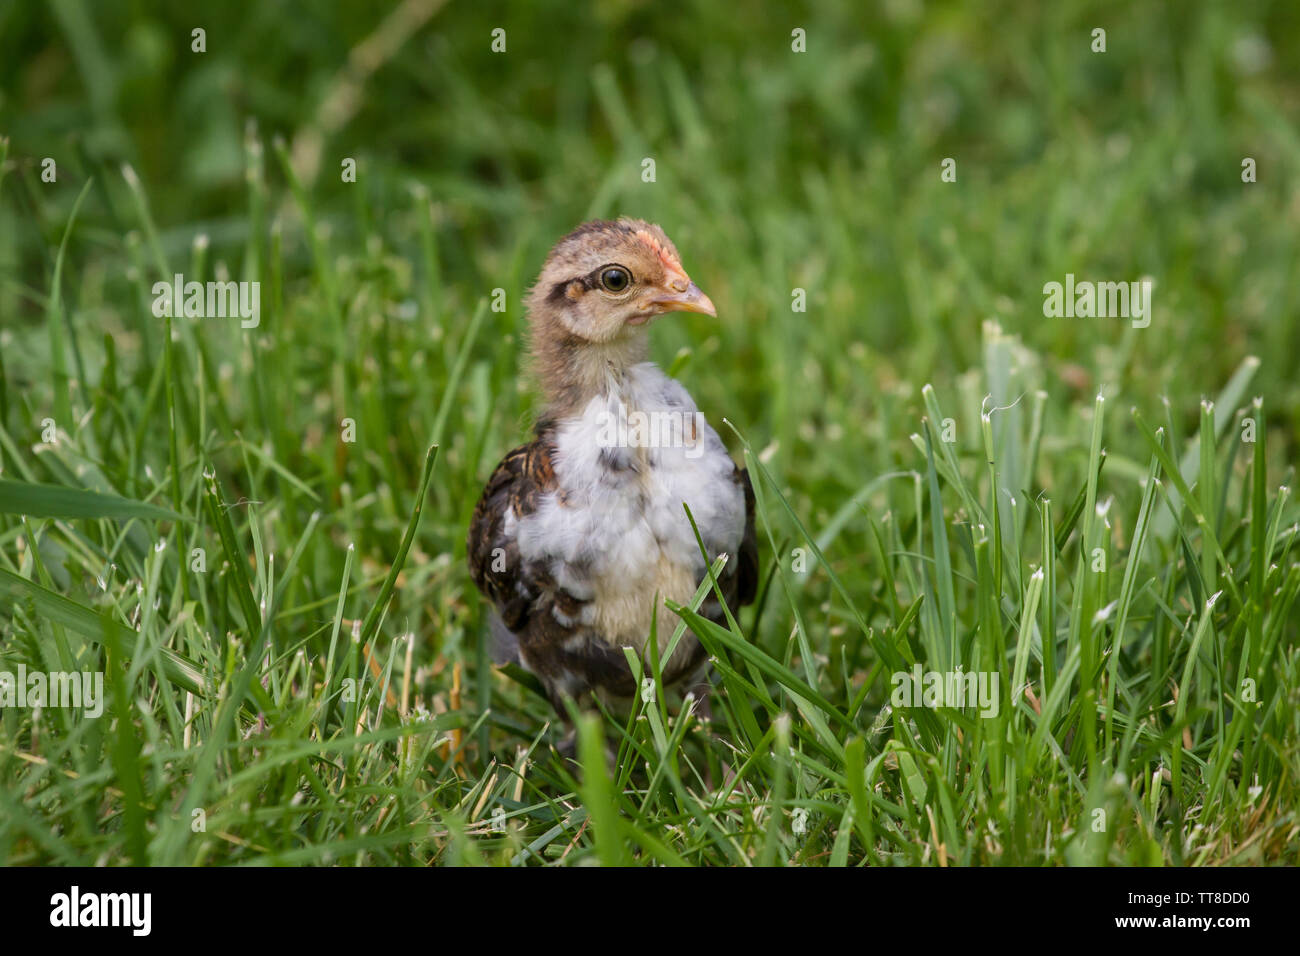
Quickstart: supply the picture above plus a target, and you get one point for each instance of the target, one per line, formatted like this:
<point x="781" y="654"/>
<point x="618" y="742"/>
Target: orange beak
<point x="683" y="295"/>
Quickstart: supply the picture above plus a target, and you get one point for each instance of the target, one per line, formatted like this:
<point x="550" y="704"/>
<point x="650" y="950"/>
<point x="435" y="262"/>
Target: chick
<point x="581" y="534"/>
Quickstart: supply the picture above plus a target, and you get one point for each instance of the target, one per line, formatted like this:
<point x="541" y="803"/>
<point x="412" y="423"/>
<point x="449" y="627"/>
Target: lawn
<point x="254" y="527"/>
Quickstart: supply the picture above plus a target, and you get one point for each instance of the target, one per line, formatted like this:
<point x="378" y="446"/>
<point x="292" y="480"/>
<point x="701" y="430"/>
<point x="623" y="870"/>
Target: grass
<point x="293" y="652"/>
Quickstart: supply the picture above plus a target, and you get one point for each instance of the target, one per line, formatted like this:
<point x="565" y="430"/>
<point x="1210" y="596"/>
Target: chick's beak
<point x="682" y="295"/>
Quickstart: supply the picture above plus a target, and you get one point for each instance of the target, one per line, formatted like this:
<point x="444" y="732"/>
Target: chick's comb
<point x="667" y="258"/>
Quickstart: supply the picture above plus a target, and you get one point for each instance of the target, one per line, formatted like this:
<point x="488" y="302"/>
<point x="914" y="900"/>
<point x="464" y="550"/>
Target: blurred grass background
<point x="775" y="170"/>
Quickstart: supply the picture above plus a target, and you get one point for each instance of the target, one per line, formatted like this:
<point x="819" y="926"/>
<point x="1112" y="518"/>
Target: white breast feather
<point x="615" y="532"/>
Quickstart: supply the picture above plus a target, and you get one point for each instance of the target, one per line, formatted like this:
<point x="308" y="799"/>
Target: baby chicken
<point x="580" y="534"/>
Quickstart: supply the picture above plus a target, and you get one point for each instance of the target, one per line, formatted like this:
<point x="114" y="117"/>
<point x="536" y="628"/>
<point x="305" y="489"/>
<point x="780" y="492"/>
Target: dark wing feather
<point x="521" y="478"/>
<point x="747" y="566"/>
<point x="739" y="579"/>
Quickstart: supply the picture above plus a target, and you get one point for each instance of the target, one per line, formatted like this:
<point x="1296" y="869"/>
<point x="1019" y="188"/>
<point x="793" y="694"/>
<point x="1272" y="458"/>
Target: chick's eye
<point x="615" y="279"/>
